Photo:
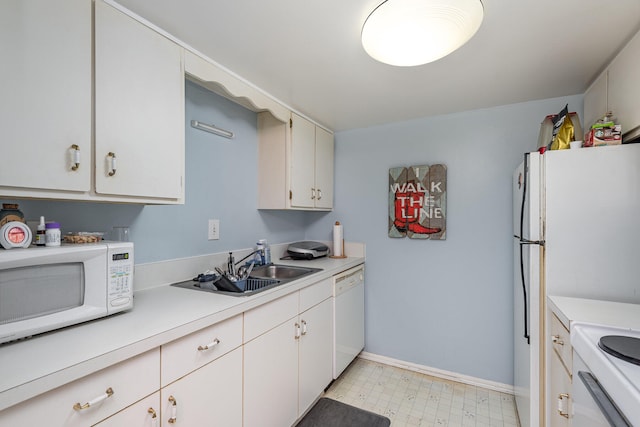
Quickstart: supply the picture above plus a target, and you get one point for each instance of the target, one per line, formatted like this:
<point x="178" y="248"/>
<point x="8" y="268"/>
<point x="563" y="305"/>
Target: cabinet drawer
<point x="189" y="353"/>
<point x="129" y="381"/>
<point x="315" y="294"/>
<point x="268" y="316"/>
<point x="560" y="342"/>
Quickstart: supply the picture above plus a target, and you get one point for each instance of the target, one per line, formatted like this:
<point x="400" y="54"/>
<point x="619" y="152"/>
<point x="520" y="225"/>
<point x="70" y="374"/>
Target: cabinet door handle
<point x="174" y="410"/>
<point x="319" y="194"/>
<point x="556" y="340"/>
<point x="215" y="342"/>
<point x="562" y="407"/>
<point x="112" y="163"/>
<point x="75" y="157"/>
<point x="154" y="417"/>
<point x="313" y="193"/>
<point x="297" y="333"/>
<point x="304" y="327"/>
<point x="107" y="394"/>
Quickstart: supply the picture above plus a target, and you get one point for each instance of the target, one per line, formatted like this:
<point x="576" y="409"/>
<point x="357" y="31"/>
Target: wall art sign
<point x="418" y="202"/>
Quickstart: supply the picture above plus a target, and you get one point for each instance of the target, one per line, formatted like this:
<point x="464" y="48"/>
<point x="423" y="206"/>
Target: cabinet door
<point x="145" y="413"/>
<point x="560" y="390"/>
<point x="46" y="93"/>
<point x="324" y="169"/>
<point x="271" y="377"/>
<point x="595" y="102"/>
<point x="315" y="353"/>
<point x="302" y="164"/>
<point x="624" y="86"/>
<point x="211" y="395"/>
<point x="139" y="108"/>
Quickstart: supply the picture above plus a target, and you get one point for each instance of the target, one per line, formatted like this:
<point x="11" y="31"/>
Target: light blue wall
<point x="444" y="304"/>
<point x="220" y="180"/>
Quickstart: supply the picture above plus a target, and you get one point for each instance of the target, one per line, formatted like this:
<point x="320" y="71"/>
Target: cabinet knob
<point x="319" y="194"/>
<point x="304" y="327"/>
<point x="107" y="394"/>
<point x="112" y="163"/>
<point x="212" y="344"/>
<point x="75" y="157"/>
<point x="556" y="340"/>
<point x="154" y="417"/>
<point x="297" y="331"/>
<point x="313" y="193"/>
<point x="174" y="410"/>
<point x="563" y="400"/>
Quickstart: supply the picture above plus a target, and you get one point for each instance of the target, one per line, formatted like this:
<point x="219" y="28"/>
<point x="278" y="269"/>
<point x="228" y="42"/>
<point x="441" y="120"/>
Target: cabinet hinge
<point x="290" y="195"/>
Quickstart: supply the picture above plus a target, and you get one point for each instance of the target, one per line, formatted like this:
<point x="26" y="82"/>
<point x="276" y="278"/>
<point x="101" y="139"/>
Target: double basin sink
<point x="261" y="278"/>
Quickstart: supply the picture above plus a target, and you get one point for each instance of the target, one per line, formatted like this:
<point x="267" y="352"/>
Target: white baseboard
<point x="440" y="373"/>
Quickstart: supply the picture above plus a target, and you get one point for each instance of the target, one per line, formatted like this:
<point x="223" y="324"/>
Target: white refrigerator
<point x="576" y="226"/>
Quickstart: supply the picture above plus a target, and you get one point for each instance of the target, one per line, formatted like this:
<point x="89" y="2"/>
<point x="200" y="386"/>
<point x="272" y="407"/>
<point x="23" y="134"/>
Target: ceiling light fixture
<point x="415" y="32"/>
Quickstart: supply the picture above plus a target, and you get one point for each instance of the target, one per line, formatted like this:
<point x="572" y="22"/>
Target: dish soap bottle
<point x="41" y="233"/>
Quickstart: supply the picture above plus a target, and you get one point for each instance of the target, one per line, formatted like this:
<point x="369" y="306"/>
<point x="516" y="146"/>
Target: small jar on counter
<point x="52" y="234"/>
<point x="10" y="212"/>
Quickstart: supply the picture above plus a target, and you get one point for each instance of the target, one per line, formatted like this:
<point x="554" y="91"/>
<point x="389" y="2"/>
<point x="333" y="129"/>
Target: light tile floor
<point x="413" y="399"/>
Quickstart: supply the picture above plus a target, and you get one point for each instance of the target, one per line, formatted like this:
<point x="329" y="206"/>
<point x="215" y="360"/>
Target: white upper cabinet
<point x="311" y="165"/>
<point x="302" y="164"/>
<point x="139" y="84"/>
<point x="624" y="86"/>
<point x="595" y="102"/>
<point x="46" y="94"/>
<point x="324" y="169"/>
<point x="295" y="164"/>
<point x="132" y="148"/>
<point x="617" y="90"/>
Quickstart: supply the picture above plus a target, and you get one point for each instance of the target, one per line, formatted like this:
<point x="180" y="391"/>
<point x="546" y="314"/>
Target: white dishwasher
<point x="348" y="317"/>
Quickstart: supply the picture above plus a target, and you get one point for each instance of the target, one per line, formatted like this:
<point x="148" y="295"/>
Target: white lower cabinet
<point x="287" y="367"/>
<point x="315" y="353"/>
<point x="201" y="377"/>
<point x="209" y="396"/>
<point x="88" y="400"/>
<point x="561" y="362"/>
<point x="271" y="378"/>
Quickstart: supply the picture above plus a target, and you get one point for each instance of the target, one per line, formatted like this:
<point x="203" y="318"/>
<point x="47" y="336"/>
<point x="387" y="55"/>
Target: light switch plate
<point x="214" y="229"/>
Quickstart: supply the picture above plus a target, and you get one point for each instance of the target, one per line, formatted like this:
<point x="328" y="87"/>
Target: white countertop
<point x="160" y="315"/>
<point x="607" y="313"/>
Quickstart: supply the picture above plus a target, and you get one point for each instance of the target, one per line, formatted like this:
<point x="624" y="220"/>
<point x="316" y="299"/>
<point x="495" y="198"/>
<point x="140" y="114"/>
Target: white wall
<point x="444" y="304"/>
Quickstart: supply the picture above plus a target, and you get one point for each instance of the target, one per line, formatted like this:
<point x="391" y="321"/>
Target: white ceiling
<point x="308" y="55"/>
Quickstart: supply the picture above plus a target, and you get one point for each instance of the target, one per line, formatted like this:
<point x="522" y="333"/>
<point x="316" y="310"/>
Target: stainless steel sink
<point x="282" y="272"/>
<point x="261" y="278"/>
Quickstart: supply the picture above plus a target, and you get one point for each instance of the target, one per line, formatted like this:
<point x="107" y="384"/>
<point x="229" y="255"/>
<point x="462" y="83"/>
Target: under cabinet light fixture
<point x="211" y="129"/>
<point x="414" y="32"/>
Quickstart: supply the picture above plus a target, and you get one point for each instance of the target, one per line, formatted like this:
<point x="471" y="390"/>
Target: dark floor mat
<point x="331" y="413"/>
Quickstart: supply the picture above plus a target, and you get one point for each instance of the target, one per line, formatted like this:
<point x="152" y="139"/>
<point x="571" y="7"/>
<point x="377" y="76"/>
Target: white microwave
<point x="46" y="288"/>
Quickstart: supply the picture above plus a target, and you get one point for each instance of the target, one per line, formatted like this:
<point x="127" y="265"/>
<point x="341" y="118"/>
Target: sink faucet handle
<point x="231" y="265"/>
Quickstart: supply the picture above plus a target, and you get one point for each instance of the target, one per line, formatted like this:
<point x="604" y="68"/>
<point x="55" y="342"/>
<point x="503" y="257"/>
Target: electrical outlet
<point x="214" y="229"/>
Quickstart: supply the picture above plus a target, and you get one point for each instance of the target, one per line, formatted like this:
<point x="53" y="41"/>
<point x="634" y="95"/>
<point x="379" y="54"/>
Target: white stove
<point x="610" y="377"/>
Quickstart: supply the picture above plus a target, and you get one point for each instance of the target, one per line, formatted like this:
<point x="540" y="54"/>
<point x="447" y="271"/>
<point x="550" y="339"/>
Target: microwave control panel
<point x="120" y="279"/>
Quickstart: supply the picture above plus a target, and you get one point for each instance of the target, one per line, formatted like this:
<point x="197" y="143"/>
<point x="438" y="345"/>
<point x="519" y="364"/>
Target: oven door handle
<point x="609" y="410"/>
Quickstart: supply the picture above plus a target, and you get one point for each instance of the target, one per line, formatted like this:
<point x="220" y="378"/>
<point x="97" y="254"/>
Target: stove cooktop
<point x="622" y="347"/>
<point x="619" y="377"/>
